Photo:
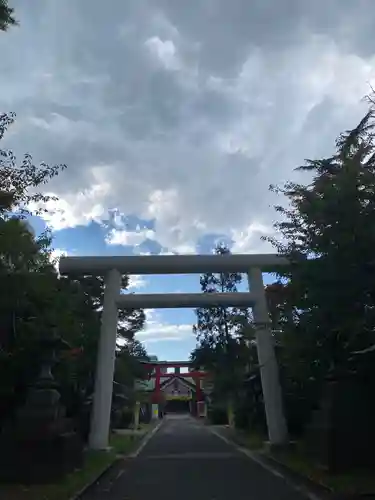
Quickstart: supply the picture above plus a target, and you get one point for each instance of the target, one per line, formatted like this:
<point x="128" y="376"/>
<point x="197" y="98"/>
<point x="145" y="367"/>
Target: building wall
<point x="177" y="388"/>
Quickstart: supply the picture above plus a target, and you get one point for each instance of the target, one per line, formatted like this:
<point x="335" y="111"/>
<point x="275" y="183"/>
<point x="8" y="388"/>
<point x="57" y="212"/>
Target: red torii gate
<point x="158" y="370"/>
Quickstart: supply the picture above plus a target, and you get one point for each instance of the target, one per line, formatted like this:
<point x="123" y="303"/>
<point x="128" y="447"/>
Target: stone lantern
<point x="41" y="445"/>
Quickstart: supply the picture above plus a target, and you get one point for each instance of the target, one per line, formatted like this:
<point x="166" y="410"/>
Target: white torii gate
<point x="113" y="267"/>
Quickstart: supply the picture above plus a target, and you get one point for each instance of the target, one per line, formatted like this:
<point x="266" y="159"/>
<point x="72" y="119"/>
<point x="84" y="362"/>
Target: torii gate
<point x="113" y="267"/>
<point x="160" y="376"/>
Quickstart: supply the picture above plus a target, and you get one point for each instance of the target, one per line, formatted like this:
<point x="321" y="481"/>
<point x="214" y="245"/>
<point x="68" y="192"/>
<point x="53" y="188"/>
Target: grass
<point x="145" y="427"/>
<point x="252" y="440"/>
<point x="355" y="482"/>
<point x="295" y="459"/>
<point x="123" y="444"/>
<point x="361" y="482"/>
<point x="94" y="464"/>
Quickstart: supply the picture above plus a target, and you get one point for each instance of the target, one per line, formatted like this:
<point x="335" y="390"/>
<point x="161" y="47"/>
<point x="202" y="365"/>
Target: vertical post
<point x="276" y="423"/>
<point x="198" y="394"/>
<point x="198" y="388"/>
<point x="157" y="382"/>
<point x="201" y="404"/>
<point x="101" y="411"/>
<point x="137" y="409"/>
<point x="156" y="405"/>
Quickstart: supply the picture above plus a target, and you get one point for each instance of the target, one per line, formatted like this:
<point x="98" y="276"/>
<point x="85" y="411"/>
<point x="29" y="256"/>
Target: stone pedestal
<point x="40" y="445"/>
<point x="38" y="461"/>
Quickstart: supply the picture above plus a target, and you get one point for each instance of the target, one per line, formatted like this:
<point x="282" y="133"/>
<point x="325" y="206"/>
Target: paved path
<point x="185" y="461"/>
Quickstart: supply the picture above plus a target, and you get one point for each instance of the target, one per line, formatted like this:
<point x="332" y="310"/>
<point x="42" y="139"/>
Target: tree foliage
<point x="129" y="367"/>
<point x="6" y="15"/>
<point x="35" y="301"/>
<point x="20" y="183"/>
<point x="325" y="308"/>
<point x="216" y="325"/>
<point x="222" y="348"/>
<point x="329" y="222"/>
<point x="322" y="307"/>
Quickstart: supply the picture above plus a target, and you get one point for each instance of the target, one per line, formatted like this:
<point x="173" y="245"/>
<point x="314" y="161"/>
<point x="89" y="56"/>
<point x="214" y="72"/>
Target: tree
<point x="326" y="231"/>
<point x="35" y="301"/>
<point x="221" y="347"/>
<point x="129" y="321"/>
<point x="6" y="16"/>
<point x="328" y="223"/>
<point x="228" y="366"/>
<point x="19" y="182"/>
<point x="129" y="365"/>
<point x="216" y="325"/>
<point x="24" y="259"/>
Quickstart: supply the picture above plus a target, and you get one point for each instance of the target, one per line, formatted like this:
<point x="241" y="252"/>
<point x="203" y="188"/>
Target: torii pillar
<point x="157" y="394"/>
<point x="269" y="370"/>
<point x="105" y="366"/>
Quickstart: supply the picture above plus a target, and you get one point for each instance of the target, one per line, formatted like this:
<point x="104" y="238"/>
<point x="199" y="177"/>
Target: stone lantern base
<point x="38" y="460"/>
<point x="41" y="445"/>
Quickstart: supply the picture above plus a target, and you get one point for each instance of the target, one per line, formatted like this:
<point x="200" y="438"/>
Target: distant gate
<point x="177" y="390"/>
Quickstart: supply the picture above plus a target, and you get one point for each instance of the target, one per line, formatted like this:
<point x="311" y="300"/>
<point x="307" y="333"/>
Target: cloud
<point x="156" y="330"/>
<point x="249" y="240"/>
<point x="164" y="51"/>
<point x="79" y="208"/>
<point x="136" y="282"/>
<point x="183" y="113"/>
<point x="132" y="238"/>
<point x="55" y="257"/>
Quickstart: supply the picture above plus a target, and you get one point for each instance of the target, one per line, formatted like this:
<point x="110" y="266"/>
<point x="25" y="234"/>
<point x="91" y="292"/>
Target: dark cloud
<point x="180" y="112"/>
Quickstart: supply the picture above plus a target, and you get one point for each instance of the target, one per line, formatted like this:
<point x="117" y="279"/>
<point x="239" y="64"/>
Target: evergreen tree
<point x="6" y="15"/>
<point x="129" y="321"/>
<point x="34" y="300"/>
<point x="217" y="325"/>
<point x="221" y="347"/>
<point x="331" y="223"/>
<point x="327" y="308"/>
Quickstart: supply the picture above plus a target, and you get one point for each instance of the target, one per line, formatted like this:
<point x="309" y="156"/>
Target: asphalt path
<point x="184" y="460"/>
